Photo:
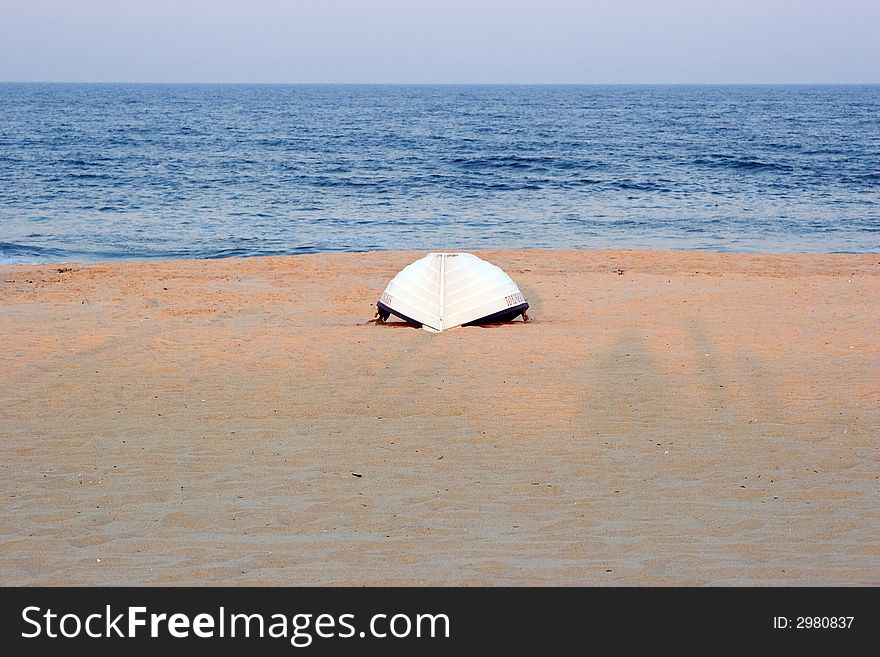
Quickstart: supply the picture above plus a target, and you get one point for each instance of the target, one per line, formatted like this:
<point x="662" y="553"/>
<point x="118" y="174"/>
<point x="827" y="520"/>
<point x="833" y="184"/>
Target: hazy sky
<point x="512" y="41"/>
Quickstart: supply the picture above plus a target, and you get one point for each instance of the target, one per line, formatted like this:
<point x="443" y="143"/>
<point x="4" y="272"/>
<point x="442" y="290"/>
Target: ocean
<point x="93" y="172"/>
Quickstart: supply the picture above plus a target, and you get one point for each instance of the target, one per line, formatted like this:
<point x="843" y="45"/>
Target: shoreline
<point x="539" y="249"/>
<point x="668" y="418"/>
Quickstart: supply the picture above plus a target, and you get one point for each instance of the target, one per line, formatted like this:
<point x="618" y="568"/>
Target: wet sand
<point x="668" y="418"/>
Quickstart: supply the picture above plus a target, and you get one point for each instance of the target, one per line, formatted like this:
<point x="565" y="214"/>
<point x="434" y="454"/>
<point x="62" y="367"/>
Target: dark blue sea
<point x="94" y="172"/>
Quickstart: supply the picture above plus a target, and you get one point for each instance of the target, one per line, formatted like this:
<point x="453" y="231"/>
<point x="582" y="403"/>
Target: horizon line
<point x="453" y="84"/>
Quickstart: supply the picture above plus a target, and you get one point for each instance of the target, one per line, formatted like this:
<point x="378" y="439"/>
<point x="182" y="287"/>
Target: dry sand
<point x="669" y="418"/>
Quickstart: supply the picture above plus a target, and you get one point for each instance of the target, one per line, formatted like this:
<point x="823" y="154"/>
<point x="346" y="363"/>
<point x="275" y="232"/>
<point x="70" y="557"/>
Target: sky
<point x="441" y="41"/>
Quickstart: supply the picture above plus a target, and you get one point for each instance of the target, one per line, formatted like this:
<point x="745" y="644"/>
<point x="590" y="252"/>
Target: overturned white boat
<point x="445" y="290"/>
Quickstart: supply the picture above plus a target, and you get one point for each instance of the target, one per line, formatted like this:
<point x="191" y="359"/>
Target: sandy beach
<point x="667" y="418"/>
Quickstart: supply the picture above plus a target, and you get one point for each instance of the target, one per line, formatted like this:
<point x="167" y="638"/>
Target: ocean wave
<point x="638" y="185"/>
<point x="740" y="163"/>
<point x="10" y="252"/>
<point x="622" y="184"/>
<point x="254" y="251"/>
<point x="90" y="176"/>
<point x="97" y="161"/>
<point x="502" y="162"/>
<point x="588" y="182"/>
<point x="505" y="186"/>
